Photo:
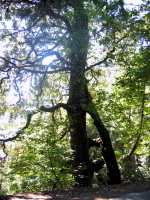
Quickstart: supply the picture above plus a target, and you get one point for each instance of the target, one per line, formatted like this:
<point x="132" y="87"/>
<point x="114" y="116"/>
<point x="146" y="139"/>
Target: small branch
<point x="8" y="61"/>
<point x="25" y="66"/>
<point x="62" y="18"/>
<point x="6" y="77"/>
<point x="108" y="54"/>
<point x="4" y="149"/>
<point x="127" y="159"/>
<point x="51" y="53"/>
<point x="139" y="133"/>
<point x="135" y="146"/>
<point x="39" y="88"/>
<point x="138" y="139"/>
<point x="102" y="61"/>
<point x="48" y="72"/>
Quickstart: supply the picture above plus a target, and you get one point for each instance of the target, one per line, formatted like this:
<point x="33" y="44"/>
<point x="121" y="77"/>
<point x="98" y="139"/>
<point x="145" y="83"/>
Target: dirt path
<point x="135" y="196"/>
<point x="99" y="193"/>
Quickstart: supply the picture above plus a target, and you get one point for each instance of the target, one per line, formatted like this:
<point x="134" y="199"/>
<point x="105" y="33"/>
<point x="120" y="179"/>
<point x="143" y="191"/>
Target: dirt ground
<point x="98" y="193"/>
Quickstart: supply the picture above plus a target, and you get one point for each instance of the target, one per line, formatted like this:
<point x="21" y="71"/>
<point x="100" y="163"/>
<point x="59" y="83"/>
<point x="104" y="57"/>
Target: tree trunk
<point x="114" y="176"/>
<point x="79" y="141"/>
<point x="77" y="96"/>
<point x="78" y="101"/>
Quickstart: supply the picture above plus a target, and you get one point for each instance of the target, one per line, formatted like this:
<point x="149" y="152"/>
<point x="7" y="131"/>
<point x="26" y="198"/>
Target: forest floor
<point x="97" y="193"/>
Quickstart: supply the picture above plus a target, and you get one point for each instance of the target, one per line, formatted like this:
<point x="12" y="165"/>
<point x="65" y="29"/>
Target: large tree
<point x="70" y="31"/>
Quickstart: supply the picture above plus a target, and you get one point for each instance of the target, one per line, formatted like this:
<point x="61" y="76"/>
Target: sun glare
<point x="49" y="59"/>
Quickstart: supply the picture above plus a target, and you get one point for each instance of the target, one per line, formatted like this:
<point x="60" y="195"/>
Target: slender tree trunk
<point x="114" y="176"/>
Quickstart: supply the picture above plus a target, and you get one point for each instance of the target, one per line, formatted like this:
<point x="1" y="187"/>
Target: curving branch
<point x="29" y="117"/>
<point x="102" y="61"/>
<point x="138" y="139"/>
<point x="6" y="77"/>
<point x="4" y="149"/>
<point x="8" y="61"/>
<point x="52" y="109"/>
<point x="63" y="69"/>
<point x="49" y="52"/>
<point x="55" y="69"/>
<point x="60" y="17"/>
<point x="108" y="55"/>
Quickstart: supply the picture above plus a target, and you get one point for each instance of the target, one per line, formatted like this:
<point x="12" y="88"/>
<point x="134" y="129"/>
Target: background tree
<point x="67" y="31"/>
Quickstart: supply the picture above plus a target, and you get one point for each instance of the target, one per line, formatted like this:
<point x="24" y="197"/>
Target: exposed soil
<point x="98" y="193"/>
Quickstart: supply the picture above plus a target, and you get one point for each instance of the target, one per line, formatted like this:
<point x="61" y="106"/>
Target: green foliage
<point x="40" y="159"/>
<point x="40" y="162"/>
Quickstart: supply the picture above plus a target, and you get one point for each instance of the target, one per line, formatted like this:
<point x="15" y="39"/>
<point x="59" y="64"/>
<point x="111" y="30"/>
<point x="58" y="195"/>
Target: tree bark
<point x="114" y="176"/>
<point x="78" y="101"/>
<point x="77" y="95"/>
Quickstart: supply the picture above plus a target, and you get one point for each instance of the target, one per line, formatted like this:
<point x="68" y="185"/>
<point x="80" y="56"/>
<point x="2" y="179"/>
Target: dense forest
<point x="74" y="93"/>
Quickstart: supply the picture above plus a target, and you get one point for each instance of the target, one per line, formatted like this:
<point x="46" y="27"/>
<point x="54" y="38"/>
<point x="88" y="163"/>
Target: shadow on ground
<point x="113" y="192"/>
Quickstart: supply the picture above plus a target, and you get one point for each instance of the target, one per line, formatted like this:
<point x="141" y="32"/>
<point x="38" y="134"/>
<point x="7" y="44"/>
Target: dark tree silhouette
<point x="64" y="30"/>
